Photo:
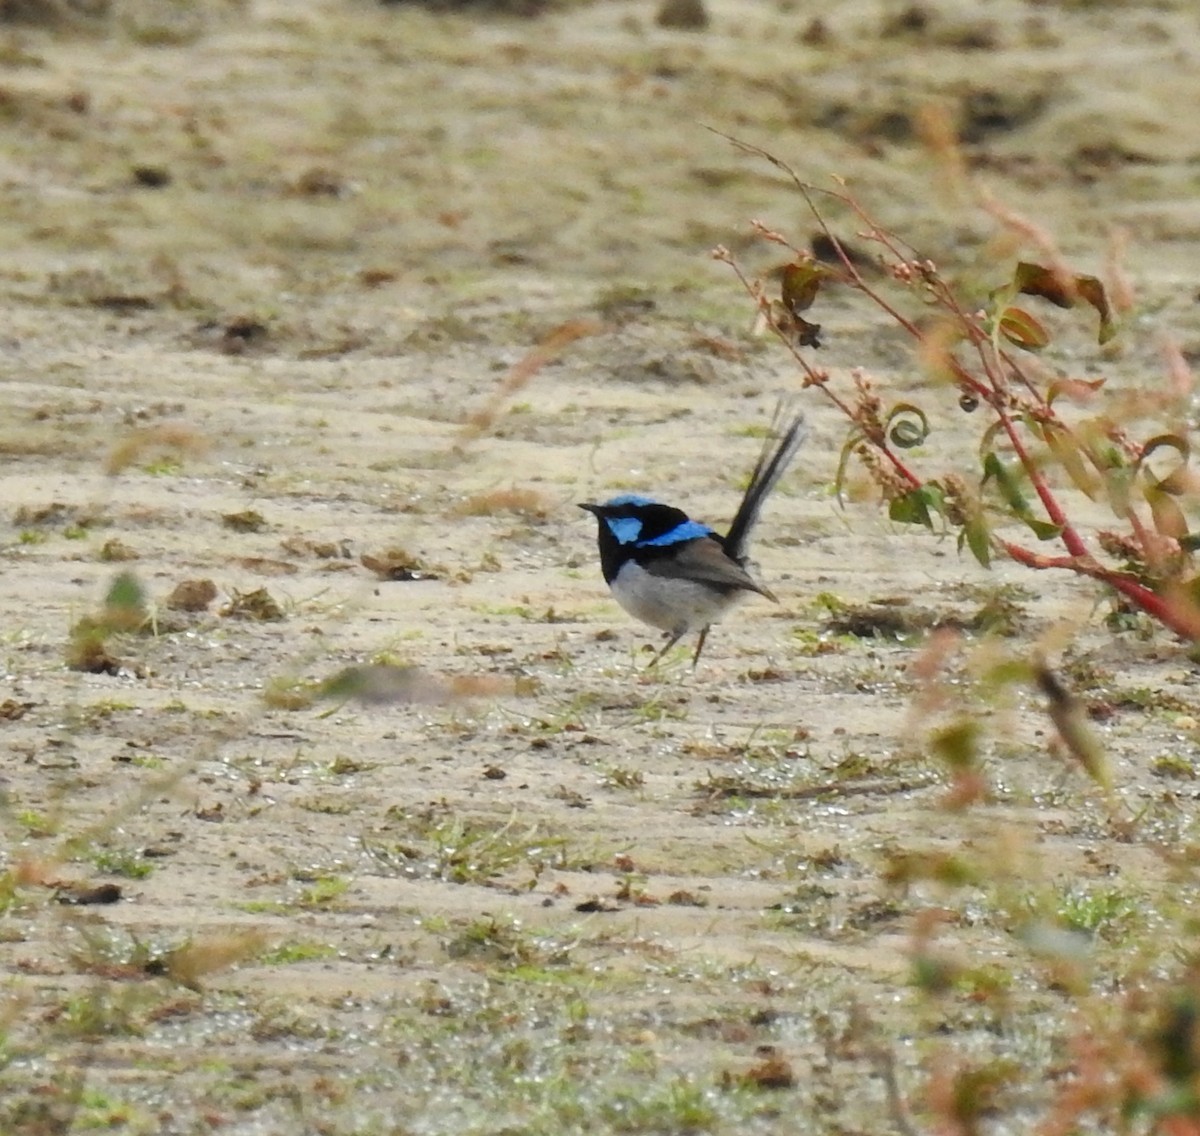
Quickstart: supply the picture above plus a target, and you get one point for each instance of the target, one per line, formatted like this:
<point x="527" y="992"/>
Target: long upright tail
<point x="777" y="453"/>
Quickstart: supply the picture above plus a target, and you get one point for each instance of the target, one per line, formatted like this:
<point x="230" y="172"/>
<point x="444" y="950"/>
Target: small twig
<point x="885" y="1065"/>
<point x="884" y="1061"/>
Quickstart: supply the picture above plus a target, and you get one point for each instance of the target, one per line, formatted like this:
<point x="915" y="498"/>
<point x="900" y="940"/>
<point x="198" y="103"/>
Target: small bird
<point x="678" y="574"/>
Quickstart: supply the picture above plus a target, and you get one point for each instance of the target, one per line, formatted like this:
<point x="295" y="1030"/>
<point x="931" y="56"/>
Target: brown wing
<point x="705" y="561"/>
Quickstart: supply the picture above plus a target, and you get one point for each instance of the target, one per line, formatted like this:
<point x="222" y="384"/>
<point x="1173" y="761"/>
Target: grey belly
<point x="672" y="605"/>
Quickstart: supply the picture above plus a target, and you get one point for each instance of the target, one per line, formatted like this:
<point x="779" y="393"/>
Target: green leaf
<point x="1043" y="530"/>
<point x="800" y="285"/>
<point x="1022" y="329"/>
<point x="957" y="745"/>
<point x="1037" y="280"/>
<point x="993" y="466"/>
<point x="1168" y="516"/>
<point x="1069" y="454"/>
<point x="1077" y="390"/>
<point x="848" y="448"/>
<point x="1093" y="292"/>
<point x="918" y="506"/>
<point x="977" y="538"/>
<point x="910" y="509"/>
<point x="1006" y="482"/>
<point x="1067" y="714"/>
<point x="1118" y="481"/>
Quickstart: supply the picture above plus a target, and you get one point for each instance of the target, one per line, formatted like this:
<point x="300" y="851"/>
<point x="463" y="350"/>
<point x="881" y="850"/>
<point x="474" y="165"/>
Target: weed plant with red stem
<point x="975" y="352"/>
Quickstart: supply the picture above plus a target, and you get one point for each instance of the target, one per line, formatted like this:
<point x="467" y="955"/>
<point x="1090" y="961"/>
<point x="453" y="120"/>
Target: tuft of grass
<point x="37" y="825"/>
<point x="114" y="551"/>
<point x="621" y="777"/>
<point x="103" y="1011"/>
<point x="122" y="862"/>
<point x="466" y="850"/>
<point x="493" y="939"/>
<point x="125" y="611"/>
<point x="258" y="606"/>
<point x="1106" y="913"/>
<point x="285" y="693"/>
<point x="324" y="891"/>
<point x="523" y="502"/>
<point x="1174" y="766"/>
<point x="289" y="954"/>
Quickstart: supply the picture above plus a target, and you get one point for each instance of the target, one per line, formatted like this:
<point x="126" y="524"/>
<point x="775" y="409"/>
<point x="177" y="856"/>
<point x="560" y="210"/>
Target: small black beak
<point x="593" y="509"/>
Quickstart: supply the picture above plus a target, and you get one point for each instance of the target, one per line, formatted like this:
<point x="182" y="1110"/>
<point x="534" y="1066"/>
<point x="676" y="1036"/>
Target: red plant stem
<point x="1068" y="535"/>
<point x="1181" y="618"/>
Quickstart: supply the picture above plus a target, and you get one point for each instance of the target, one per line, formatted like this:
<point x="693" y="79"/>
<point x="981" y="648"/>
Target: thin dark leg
<point x="699" y="646"/>
<point x="666" y="647"/>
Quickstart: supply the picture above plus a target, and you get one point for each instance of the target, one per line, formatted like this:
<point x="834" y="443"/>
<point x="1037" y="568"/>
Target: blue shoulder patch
<point x="680" y="534"/>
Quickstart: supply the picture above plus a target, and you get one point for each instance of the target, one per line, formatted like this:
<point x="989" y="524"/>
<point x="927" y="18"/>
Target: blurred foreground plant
<point x="1097" y="966"/>
<point x="1033" y="452"/>
<point x="1116" y="969"/>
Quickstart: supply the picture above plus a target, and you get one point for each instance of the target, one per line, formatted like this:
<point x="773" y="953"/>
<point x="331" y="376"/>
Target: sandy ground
<point x="273" y="257"/>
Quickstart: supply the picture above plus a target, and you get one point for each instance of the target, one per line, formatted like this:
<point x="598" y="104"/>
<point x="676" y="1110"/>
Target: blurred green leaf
<point x="994" y="467"/>
<point x="126" y="592"/>
<point x="1022" y="329"/>
<point x="1069" y="454"/>
<point x="1006" y="482"/>
<point x="1007" y="672"/>
<point x="124" y="604"/>
<point x="800" y="285"/>
<point x="1069" y="718"/>
<point x="1168" y="516"/>
<point x="957" y="745"/>
<point x="977" y="538"/>
<point x="918" y="506"/>
<point x="1077" y="390"/>
<point x="1043" y="530"/>
<point x="848" y="448"/>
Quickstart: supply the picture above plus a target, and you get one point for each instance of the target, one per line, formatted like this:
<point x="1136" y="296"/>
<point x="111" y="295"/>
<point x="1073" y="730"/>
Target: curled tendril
<point x="906" y="426"/>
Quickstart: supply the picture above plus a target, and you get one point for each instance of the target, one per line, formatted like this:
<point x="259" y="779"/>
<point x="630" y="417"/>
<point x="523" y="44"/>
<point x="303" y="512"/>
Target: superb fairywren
<point x="675" y="573"/>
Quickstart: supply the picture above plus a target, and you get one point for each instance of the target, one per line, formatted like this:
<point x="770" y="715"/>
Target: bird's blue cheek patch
<point x="689" y="530"/>
<point x="625" y="529"/>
